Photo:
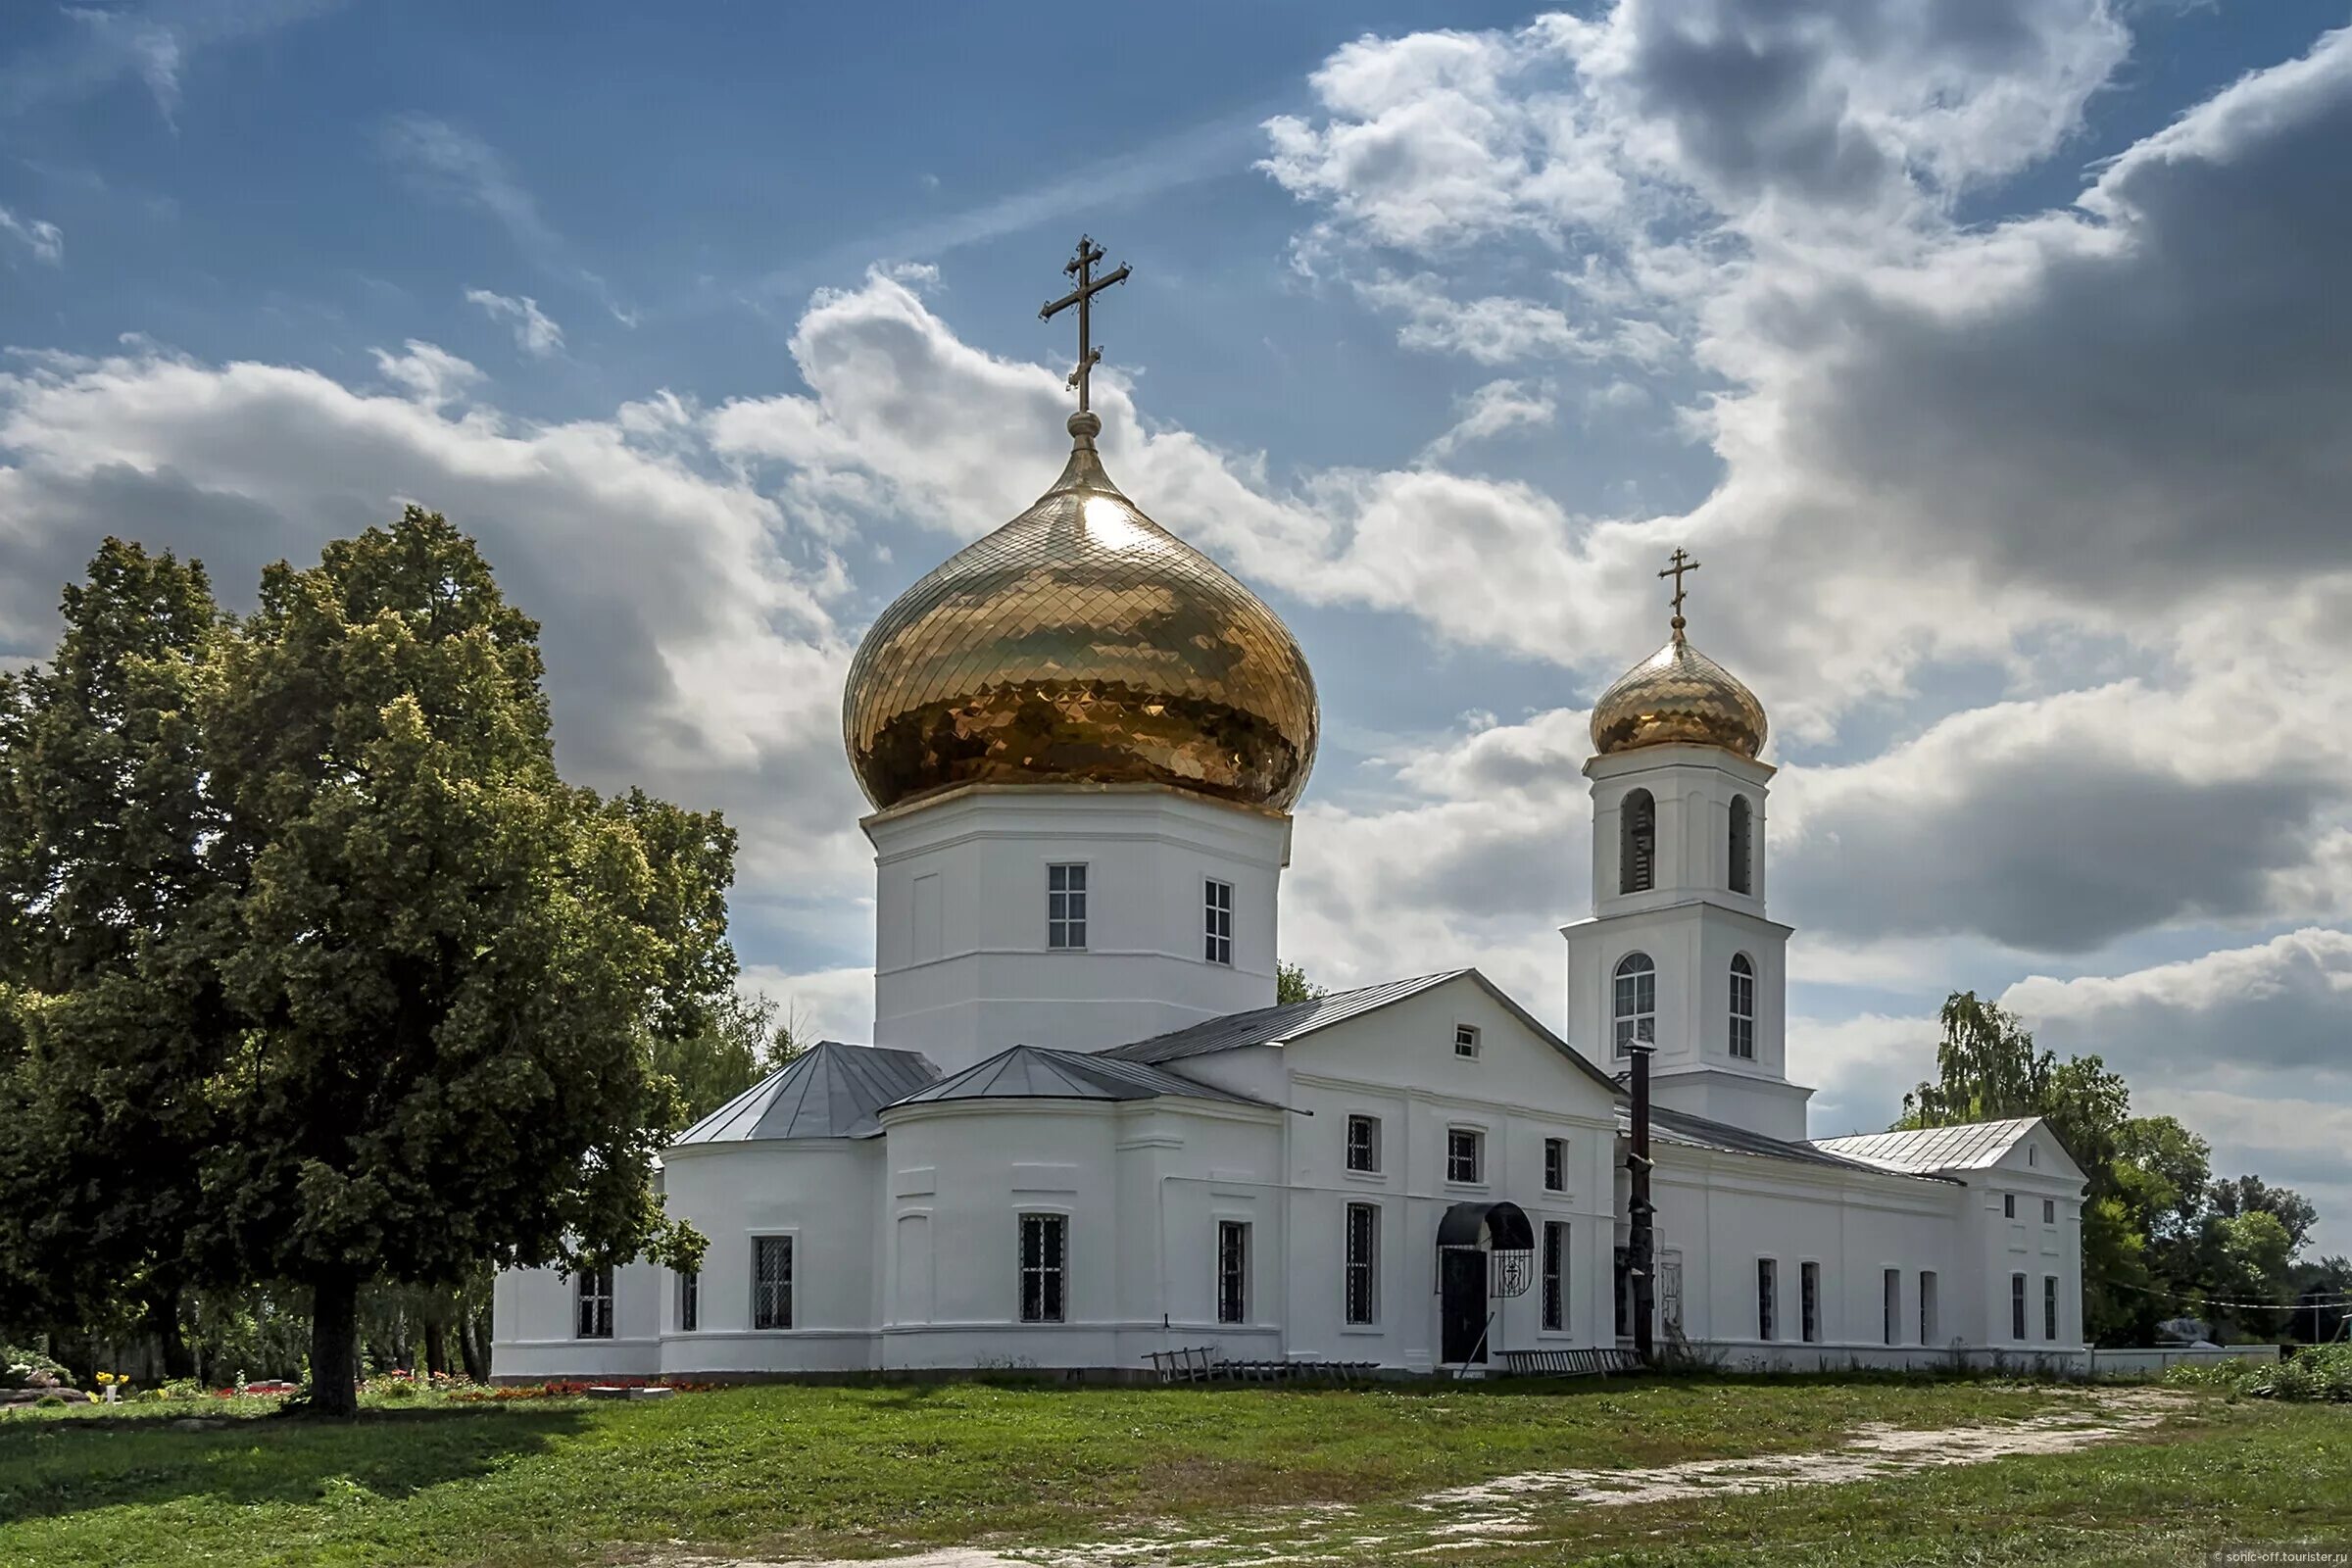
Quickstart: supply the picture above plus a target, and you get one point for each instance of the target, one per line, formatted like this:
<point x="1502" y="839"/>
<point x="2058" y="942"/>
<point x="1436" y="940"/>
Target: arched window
<point x="1742" y="880"/>
<point x="1637" y="1003"/>
<point x="1637" y="843"/>
<point x="1743" y="1008"/>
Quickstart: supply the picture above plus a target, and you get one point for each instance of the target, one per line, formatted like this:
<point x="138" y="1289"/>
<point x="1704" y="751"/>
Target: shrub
<point x="2313" y="1373"/>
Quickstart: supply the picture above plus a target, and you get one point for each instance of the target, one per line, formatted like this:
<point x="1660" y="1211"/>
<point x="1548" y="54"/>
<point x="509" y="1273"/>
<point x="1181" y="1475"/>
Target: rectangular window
<point x="595" y="1303"/>
<point x="1044" y="1266"/>
<point x="1555" y="1275"/>
<point x="2008" y="1205"/>
<point x="1808" y="1301"/>
<point x="1743" y="1011"/>
<point x="1555" y="1165"/>
<point x="1927" y="1306"/>
<point x="1363" y="1144"/>
<point x="1465" y="1039"/>
<point x="1218" y="913"/>
<point x="1893" y="1307"/>
<point x="1464" y="1155"/>
<point x="2050" y="1211"/>
<point x="1363" y="1263"/>
<point x="2017" y="1307"/>
<point x="771" y="1282"/>
<point x="1768" y="1299"/>
<point x="690" y="1301"/>
<point x="1233" y="1271"/>
<point x="1065" y="905"/>
<point x="2049" y="1306"/>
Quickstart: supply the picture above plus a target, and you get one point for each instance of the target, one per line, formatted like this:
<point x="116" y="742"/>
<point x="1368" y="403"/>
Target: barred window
<point x="1555" y="1165"/>
<point x="1637" y="1003"/>
<point x="1927" y="1306"/>
<point x="1044" y="1267"/>
<point x="690" y="1301"/>
<point x="1217" y="916"/>
<point x="1065" y="905"/>
<point x="1743" y="1008"/>
<point x="595" y="1303"/>
<point x="1363" y="1144"/>
<point x="1555" y="1275"/>
<point x="771" y="1282"/>
<point x="1637" y="843"/>
<point x="1363" y="1263"/>
<point x="2017" y="1307"/>
<point x="1808" y="1294"/>
<point x="2049" y="1306"/>
<point x="1465" y="1154"/>
<point x="1768" y="1299"/>
<point x="1742" y="851"/>
<point x="1233" y="1271"/>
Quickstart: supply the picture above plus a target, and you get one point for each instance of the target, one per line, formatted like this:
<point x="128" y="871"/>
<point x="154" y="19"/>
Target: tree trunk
<point x="335" y="1347"/>
<point x="436" y="1346"/>
<point x="474" y="1345"/>
<point x="162" y="1321"/>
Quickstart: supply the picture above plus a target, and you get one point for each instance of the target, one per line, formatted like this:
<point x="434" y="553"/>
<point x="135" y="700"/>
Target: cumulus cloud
<point x="535" y="333"/>
<point x="2283" y="1004"/>
<point x="45" y="240"/>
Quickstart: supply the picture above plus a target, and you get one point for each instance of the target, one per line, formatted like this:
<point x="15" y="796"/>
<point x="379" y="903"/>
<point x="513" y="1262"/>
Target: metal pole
<point x="1641" y="1242"/>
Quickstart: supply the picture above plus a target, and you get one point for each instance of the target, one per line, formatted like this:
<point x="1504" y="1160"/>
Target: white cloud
<point x="534" y="333"/>
<point x="152" y="45"/>
<point x="45" y="240"/>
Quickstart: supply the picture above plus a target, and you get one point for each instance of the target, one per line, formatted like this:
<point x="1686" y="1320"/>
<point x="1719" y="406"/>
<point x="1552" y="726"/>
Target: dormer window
<point x="1465" y="1039"/>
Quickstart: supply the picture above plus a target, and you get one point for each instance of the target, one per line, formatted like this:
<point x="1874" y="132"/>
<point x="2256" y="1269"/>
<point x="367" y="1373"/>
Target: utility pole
<point x="1639" y="1239"/>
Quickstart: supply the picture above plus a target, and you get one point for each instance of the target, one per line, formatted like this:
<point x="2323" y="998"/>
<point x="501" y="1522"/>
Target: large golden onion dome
<point x="1081" y="643"/>
<point x="1679" y="697"/>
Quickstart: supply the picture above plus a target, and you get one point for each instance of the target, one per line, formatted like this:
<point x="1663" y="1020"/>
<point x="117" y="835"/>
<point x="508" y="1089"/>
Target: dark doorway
<point x="1461" y="1304"/>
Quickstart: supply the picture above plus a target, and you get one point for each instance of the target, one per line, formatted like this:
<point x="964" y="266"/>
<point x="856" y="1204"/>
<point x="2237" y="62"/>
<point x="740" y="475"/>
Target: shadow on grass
<point x="54" y="1468"/>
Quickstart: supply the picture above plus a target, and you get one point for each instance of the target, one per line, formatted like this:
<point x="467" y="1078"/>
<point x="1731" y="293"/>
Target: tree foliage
<point x="1291" y="984"/>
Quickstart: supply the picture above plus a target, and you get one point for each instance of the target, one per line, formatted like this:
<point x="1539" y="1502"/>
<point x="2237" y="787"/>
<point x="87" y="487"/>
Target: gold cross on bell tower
<point x="1683" y="562"/>
<point x="1082" y="267"/>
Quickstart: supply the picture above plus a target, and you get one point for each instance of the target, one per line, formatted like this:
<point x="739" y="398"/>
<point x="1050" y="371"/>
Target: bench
<point x="1584" y="1364"/>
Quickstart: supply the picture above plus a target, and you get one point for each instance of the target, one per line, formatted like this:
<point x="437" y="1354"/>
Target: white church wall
<point x="963" y="966"/>
<point x="2035" y="1171"/>
<point x="534" y="1326"/>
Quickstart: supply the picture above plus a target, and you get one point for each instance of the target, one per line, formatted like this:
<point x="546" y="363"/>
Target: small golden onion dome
<point x="1081" y="643"/>
<point x="1678" y="697"/>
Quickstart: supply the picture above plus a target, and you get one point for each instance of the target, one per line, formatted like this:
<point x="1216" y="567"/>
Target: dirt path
<point x="1499" y="1509"/>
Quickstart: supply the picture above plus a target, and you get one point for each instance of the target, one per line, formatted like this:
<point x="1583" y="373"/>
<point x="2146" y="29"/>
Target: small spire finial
<point x="1683" y="562"/>
<point x="1082" y="267"/>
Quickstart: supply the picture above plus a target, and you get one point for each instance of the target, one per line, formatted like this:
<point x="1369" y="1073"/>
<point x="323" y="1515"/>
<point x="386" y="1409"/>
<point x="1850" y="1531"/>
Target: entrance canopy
<point x="1498" y="1227"/>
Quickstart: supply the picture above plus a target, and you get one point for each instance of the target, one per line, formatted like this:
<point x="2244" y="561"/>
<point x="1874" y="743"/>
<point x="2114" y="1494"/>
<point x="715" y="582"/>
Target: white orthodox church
<point x="1085" y="1131"/>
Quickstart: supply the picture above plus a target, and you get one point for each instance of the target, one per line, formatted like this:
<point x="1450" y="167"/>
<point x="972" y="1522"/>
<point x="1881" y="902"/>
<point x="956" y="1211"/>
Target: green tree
<point x="738" y="1045"/>
<point x="2251" y="1195"/>
<point x="449" y="966"/>
<point x="1291" y="984"/>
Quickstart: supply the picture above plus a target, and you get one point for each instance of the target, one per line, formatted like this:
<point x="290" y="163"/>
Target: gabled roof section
<point x="1294" y="1020"/>
<point x="1667" y="1126"/>
<point x="1037" y="1072"/>
<point x="1973" y="1145"/>
<point x="831" y="1090"/>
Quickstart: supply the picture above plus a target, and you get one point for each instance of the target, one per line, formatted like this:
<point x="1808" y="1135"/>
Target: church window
<point x="1743" y="1008"/>
<point x="1555" y="1165"/>
<point x="1742" y="880"/>
<point x="1637" y="843"/>
<point x="2008" y="1205"/>
<point x="1233" y="1271"/>
<point x="2017" y="1307"/>
<point x="1363" y="1263"/>
<point x="690" y="1300"/>
<point x="1927" y="1306"/>
<point x="1637" y="1003"/>
<point x="2049" y="1306"/>
<point x="1808" y="1302"/>
<point x="1363" y="1144"/>
<point x="1768" y="1299"/>
<point x="596" y="1303"/>
<point x="1555" y="1275"/>
<point x="771" y="1282"/>
<point x="1465" y="1039"/>
<point x="1465" y="1154"/>
<point x="1044" y="1266"/>
<point x="2050" y="1211"/>
<point x="1066" y="906"/>
<point x="1891" y="1313"/>
<point x="1218" y="913"/>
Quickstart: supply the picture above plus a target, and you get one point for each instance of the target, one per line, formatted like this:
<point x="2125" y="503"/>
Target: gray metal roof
<point x="1036" y="1072"/>
<point x="1669" y="1126"/>
<point x="1264" y="1025"/>
<point x="831" y="1090"/>
<point x="1973" y="1145"/>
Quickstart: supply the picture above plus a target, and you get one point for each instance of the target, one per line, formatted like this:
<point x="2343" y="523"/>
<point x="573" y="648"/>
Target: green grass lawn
<point x="796" y="1471"/>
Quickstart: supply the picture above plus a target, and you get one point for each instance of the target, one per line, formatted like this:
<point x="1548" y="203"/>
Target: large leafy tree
<point x="108" y="898"/>
<point x="449" y="966"/>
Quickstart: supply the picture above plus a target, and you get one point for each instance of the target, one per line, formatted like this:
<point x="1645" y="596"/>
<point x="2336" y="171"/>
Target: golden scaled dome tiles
<point x="1679" y="696"/>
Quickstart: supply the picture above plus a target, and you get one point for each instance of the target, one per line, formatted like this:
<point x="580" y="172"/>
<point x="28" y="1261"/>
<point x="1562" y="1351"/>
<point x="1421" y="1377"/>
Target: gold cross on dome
<point x="1082" y="267"/>
<point x="1683" y="562"/>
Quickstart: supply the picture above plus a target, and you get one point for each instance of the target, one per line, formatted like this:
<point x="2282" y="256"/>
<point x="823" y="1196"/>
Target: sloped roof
<point x="1037" y="1072"/>
<point x="1294" y="1020"/>
<point x="1973" y="1146"/>
<point x="1669" y="1126"/>
<point x="831" y="1090"/>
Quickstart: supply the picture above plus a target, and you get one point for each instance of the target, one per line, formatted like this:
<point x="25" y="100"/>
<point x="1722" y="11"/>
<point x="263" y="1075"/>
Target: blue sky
<point x="1989" y="352"/>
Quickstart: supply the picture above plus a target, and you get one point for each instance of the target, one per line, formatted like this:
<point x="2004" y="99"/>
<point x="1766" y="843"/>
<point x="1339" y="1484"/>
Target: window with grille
<point x="1363" y="1263"/>
<point x="1065" y="905"/>
<point x="1555" y="1275"/>
<point x="1808" y="1301"/>
<point x="2017" y="1307"/>
<point x="1465" y="1151"/>
<point x="1217" y="916"/>
<point x="771" y="1282"/>
<point x="1233" y="1271"/>
<point x="2050" y="1211"/>
<point x="690" y="1301"/>
<point x="1743" y="1008"/>
<point x="1742" y="879"/>
<point x="2008" y="1205"/>
<point x="1927" y="1306"/>
<point x="595" y="1320"/>
<point x="1363" y="1144"/>
<point x="2049" y="1306"/>
<point x="1768" y="1299"/>
<point x="1044" y="1267"/>
<point x="1637" y="843"/>
<point x="1555" y="1165"/>
<point x="1892" y="1308"/>
<point x="1637" y="1003"/>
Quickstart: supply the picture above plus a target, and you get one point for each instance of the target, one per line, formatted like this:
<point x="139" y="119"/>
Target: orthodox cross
<point x="1082" y="267"/>
<point x="1681" y="563"/>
